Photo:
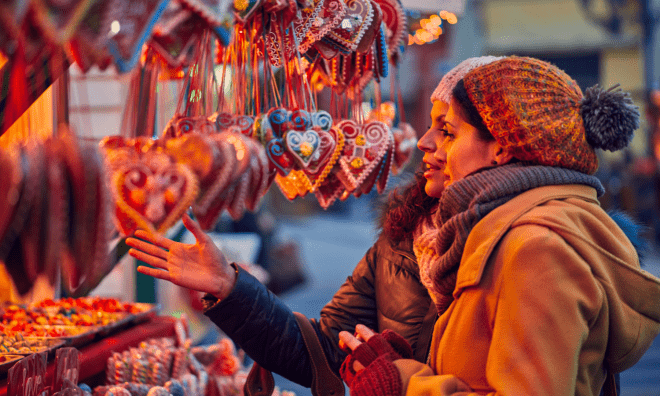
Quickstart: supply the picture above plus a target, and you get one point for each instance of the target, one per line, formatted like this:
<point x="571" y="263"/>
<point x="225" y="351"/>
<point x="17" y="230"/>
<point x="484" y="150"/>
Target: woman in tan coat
<point x="539" y="291"/>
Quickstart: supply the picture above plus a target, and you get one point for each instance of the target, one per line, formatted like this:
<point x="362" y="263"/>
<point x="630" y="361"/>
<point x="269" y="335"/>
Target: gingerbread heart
<point x="58" y="208"/>
<point x="300" y="120"/>
<point x="328" y="191"/>
<point x="405" y="142"/>
<point x="364" y="147"/>
<point x="244" y="123"/>
<point x="212" y="163"/>
<point x="259" y="182"/>
<point x="198" y="124"/>
<point x="152" y="193"/>
<point x="330" y="16"/>
<point x="318" y="171"/>
<point x="358" y="18"/>
<point x="386" y="170"/>
<point x="370" y="33"/>
<point x="278" y="119"/>
<point x="175" y="33"/>
<point x="326" y="50"/>
<point x="280" y="41"/>
<point x="12" y="217"/>
<point x="303" y="145"/>
<point x="279" y="157"/>
<point x="222" y="120"/>
<point x="215" y="14"/>
<point x="236" y="143"/>
<point x="381" y="57"/>
<point x="33" y="234"/>
<point x="395" y="20"/>
<point x="322" y="119"/>
<point x="379" y="175"/>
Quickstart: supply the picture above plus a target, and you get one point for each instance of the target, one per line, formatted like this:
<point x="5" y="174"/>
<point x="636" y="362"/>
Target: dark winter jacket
<point x="384" y="292"/>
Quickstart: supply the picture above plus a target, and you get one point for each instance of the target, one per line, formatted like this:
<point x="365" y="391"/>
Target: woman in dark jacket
<point x="384" y="291"/>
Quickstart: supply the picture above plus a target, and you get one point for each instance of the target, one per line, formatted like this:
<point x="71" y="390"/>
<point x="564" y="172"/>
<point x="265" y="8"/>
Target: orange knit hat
<point x="538" y="113"/>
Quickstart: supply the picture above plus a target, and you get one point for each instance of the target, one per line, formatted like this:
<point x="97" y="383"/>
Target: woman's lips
<point x="431" y="170"/>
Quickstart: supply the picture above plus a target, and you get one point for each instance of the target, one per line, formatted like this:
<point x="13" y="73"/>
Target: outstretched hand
<point x="200" y="266"/>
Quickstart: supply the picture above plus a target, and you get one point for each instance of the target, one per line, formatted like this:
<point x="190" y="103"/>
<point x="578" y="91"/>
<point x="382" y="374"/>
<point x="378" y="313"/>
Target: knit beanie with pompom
<point x="443" y="90"/>
<point x="539" y="114"/>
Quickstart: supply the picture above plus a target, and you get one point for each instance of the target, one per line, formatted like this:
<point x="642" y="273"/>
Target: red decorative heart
<point x="405" y="142"/>
<point x="370" y="33"/>
<point x="239" y="153"/>
<point x="331" y="189"/>
<point x="358" y="18"/>
<point x="395" y="20"/>
<point x="365" y="146"/>
<point x="152" y="193"/>
<point x="328" y="18"/>
<point x="260" y="180"/>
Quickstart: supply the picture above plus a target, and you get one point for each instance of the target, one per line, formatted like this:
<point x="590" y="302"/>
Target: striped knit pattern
<point x="444" y="90"/>
<point x="463" y="204"/>
<point x="533" y="110"/>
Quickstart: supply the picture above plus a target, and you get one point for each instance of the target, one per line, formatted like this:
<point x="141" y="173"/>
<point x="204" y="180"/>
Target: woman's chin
<point x="433" y="189"/>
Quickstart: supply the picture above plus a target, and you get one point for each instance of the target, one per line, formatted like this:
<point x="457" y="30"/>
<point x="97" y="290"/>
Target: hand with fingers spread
<point x="200" y="266"/>
<point x="368" y="369"/>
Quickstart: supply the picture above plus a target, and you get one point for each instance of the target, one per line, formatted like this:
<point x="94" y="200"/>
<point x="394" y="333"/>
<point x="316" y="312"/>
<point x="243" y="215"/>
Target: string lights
<point x="427" y="30"/>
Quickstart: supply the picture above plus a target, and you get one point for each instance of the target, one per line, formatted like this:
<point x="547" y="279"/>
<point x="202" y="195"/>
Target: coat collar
<point x="489" y="231"/>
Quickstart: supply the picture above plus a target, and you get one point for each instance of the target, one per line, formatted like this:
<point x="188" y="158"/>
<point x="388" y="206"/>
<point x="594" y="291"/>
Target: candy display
<point x="167" y="366"/>
<point x="19" y="345"/>
<point x="65" y="319"/>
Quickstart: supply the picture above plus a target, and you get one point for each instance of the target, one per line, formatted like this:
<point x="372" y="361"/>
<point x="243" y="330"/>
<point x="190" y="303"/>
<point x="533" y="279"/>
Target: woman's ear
<point x="501" y="155"/>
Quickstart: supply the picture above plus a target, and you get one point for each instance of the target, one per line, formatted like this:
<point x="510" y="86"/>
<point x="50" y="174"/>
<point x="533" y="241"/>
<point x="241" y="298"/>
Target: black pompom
<point x="610" y="117"/>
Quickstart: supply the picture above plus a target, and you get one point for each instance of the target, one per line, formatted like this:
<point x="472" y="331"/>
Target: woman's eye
<point x="446" y="133"/>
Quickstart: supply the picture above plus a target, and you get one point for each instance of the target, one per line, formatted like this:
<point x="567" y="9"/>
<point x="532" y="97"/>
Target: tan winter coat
<point x="549" y="293"/>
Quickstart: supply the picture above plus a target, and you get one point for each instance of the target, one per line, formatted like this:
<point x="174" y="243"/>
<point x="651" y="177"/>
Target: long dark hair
<point x="405" y="208"/>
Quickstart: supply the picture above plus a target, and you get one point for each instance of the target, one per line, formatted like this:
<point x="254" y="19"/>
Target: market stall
<point x="271" y="94"/>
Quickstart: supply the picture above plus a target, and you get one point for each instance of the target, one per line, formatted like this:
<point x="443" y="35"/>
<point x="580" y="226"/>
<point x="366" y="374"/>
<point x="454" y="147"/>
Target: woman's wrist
<point x="227" y="285"/>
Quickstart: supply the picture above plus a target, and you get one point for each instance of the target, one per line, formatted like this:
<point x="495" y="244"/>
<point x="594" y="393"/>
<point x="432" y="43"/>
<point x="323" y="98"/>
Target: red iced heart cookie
<point x="279" y="158"/>
<point x="238" y="154"/>
<point x="364" y="148"/>
<point x="370" y="33"/>
<point x="329" y="17"/>
<point x="323" y="169"/>
<point x="394" y="18"/>
<point x="259" y="182"/>
<point x="358" y="18"/>
<point x="329" y="190"/>
<point x="152" y="193"/>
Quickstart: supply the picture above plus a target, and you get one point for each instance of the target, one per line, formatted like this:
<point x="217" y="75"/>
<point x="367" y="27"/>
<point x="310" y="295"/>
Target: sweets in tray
<point x="69" y="318"/>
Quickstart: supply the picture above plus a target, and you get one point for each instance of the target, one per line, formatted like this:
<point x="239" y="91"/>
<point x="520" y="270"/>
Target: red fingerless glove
<point x="376" y="355"/>
<point x="380" y="378"/>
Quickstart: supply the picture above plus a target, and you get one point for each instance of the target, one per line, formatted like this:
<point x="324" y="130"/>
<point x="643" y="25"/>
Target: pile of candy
<point x="66" y="317"/>
<point x="17" y="344"/>
<point x="160" y="367"/>
<point x="96" y="304"/>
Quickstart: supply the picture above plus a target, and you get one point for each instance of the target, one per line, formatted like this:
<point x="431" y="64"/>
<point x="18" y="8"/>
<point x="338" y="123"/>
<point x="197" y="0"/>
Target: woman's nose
<point x="425" y="143"/>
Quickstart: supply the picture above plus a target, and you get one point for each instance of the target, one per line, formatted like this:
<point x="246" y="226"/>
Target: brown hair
<point x="405" y="208"/>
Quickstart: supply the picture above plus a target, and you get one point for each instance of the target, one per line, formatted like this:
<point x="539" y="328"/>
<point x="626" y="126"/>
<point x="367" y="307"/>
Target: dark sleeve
<point x="263" y="326"/>
<point x="266" y="329"/>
